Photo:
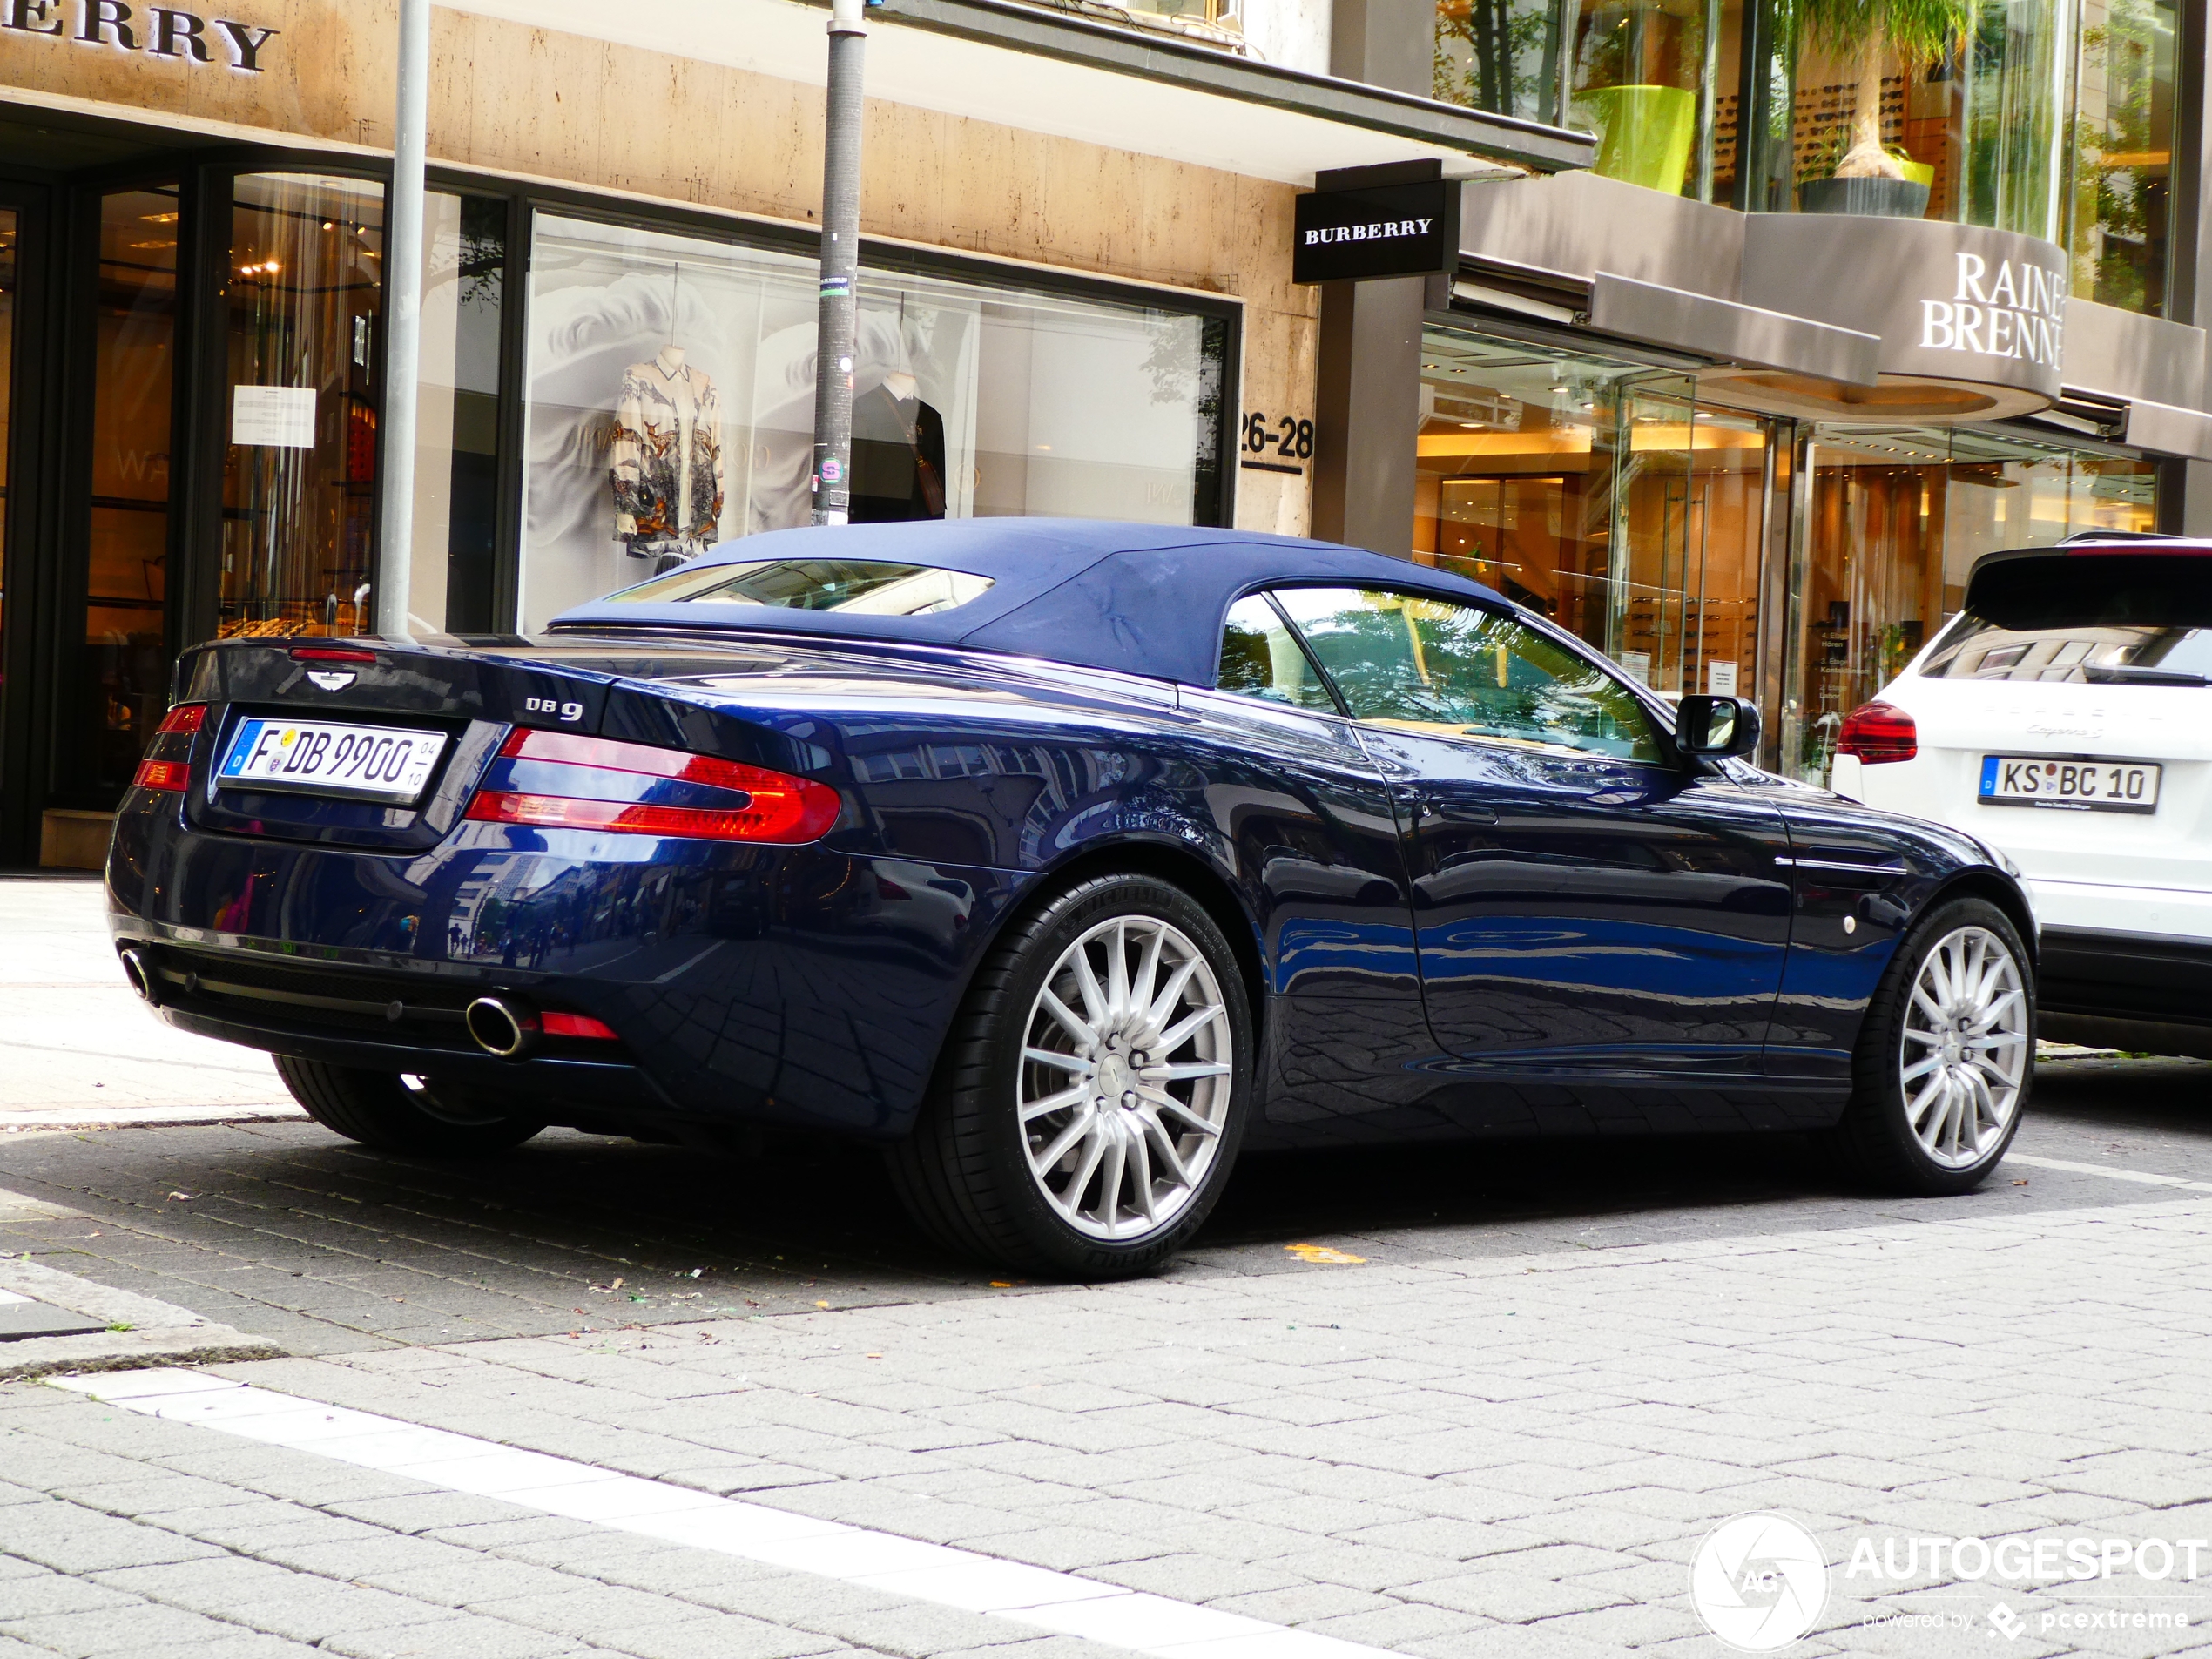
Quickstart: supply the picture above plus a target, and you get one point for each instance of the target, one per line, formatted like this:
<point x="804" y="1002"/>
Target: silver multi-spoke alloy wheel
<point x="1963" y="1059"/>
<point x="1123" y="1091"/>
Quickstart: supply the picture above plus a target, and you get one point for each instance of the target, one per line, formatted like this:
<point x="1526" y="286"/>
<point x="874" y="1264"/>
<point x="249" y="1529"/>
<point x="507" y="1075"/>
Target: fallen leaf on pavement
<point x="1322" y="1253"/>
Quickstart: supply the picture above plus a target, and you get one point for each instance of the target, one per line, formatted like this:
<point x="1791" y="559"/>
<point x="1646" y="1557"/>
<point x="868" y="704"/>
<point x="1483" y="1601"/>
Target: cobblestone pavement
<point x="1464" y="1403"/>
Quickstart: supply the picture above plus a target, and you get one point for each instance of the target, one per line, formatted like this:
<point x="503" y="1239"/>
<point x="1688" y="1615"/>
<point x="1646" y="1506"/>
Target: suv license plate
<point x="382" y="763"/>
<point x="2070" y="786"/>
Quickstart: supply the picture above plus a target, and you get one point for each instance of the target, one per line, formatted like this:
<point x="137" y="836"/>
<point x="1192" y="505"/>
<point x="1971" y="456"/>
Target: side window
<point x="1452" y="670"/>
<point x="1260" y="657"/>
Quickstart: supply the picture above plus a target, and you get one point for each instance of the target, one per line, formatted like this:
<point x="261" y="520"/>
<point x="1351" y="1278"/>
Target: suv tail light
<point x="1877" y="732"/>
<point x="763" y="806"/>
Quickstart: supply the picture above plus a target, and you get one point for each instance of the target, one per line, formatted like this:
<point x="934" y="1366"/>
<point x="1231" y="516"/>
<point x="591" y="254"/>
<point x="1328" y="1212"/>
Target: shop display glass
<point x="303" y="306"/>
<point x="456" y="444"/>
<point x="1892" y="520"/>
<point x="671" y="388"/>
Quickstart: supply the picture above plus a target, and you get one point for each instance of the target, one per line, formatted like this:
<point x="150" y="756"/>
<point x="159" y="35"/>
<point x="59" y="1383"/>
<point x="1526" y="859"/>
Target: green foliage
<point x="1919" y="31"/>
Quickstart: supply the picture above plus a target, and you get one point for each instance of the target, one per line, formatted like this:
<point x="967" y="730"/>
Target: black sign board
<point x="1378" y="230"/>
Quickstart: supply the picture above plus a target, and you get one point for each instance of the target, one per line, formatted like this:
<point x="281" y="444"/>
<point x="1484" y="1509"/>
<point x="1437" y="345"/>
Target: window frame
<point x="1266" y="596"/>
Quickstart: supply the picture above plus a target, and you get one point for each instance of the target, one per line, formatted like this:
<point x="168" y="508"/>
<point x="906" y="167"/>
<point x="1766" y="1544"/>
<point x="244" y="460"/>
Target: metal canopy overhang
<point x="1042" y="71"/>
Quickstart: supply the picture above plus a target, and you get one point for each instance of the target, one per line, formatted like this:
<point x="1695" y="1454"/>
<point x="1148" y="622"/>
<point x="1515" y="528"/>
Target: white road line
<point x="1034" y="1596"/>
<point x="2139" y="1177"/>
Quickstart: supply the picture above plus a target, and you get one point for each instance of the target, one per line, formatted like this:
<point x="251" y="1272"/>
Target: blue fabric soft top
<point x="1136" y="598"/>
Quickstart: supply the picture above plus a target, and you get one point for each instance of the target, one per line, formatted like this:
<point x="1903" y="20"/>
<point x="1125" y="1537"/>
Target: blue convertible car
<point x="1064" y="859"/>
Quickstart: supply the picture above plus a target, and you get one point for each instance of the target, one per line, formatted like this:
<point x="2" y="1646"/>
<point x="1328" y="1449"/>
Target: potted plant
<point x="1637" y="68"/>
<point x="1871" y="34"/>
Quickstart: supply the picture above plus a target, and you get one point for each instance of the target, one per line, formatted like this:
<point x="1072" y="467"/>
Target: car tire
<point x="1933" y="1118"/>
<point x="994" y="1172"/>
<point x="393" y="1114"/>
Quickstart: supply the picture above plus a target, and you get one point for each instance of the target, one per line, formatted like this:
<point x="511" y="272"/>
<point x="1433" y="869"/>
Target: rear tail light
<point x="168" y="762"/>
<point x="777" y="808"/>
<point x="577" y="1025"/>
<point x="331" y="654"/>
<point x="1879" y="732"/>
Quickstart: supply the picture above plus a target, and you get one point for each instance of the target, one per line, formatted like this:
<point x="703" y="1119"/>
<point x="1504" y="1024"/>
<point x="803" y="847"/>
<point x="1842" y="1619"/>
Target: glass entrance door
<point x="115" y="692"/>
<point x="11" y="226"/>
<point x="1687" y="544"/>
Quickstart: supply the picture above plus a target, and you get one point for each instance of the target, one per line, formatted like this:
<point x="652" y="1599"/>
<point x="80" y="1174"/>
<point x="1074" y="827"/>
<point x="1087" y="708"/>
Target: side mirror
<point x="1717" y="727"/>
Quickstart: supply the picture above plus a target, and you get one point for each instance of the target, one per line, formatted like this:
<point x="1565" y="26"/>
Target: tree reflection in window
<point x="1457" y="671"/>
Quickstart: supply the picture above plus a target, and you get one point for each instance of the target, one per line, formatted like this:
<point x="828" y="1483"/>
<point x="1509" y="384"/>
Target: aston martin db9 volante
<point x="1063" y="859"/>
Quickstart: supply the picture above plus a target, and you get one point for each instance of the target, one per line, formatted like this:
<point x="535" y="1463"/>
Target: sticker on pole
<point x="1760" y="1582"/>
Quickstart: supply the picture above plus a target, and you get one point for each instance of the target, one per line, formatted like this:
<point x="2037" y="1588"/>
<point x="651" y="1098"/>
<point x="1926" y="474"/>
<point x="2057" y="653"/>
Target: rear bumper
<point x="790" y="987"/>
<point x="558" y="1086"/>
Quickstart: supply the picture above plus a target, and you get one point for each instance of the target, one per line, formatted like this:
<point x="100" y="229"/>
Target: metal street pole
<point x="403" y="317"/>
<point x="840" y="268"/>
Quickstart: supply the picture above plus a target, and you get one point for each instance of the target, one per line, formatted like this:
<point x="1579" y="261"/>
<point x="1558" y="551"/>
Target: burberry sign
<point x="1381" y="230"/>
<point x="157" y="31"/>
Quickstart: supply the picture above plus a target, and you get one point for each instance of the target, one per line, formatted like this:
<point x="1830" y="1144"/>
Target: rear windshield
<point x="2105" y="618"/>
<point x="859" y="587"/>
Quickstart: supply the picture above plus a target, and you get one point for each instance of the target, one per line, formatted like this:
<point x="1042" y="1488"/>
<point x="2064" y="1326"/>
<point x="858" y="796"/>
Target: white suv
<point x="2065" y="716"/>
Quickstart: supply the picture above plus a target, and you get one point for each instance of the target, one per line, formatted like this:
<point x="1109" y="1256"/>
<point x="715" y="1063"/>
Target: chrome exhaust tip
<point x="507" y="1030"/>
<point x="139" y="971"/>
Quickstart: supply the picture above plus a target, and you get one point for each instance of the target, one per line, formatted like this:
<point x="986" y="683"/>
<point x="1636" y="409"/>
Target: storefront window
<point x="1892" y="520"/>
<point x="1502" y="56"/>
<point x="456" y="446"/>
<point x="672" y="390"/>
<point x="302" y="301"/>
<point x="1601" y="495"/>
<point x="2124" y="165"/>
<point x="1642" y="82"/>
<point x="1956" y="109"/>
<point x="121" y="675"/>
<point x="1652" y="80"/>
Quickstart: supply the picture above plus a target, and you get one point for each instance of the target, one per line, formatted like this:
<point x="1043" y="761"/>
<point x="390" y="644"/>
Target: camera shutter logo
<point x="1760" y="1582"/>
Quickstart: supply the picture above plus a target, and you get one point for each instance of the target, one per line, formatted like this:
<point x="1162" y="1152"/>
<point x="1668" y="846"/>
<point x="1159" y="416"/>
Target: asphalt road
<point x="284" y="1231"/>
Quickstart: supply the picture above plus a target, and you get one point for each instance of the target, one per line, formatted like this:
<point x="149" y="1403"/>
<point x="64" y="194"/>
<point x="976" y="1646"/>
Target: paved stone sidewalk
<point x="1448" y="1458"/>
<point x="81" y="1049"/>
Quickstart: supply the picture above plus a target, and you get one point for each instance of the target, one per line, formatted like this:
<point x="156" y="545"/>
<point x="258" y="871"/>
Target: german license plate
<point x="2070" y="786"/>
<point x="384" y="763"/>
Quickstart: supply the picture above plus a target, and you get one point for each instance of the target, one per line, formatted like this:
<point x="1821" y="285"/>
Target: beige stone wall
<point x="553" y="107"/>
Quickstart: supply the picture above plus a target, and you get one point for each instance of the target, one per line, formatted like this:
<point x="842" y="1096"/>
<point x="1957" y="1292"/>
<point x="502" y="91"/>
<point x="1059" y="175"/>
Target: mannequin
<point x="665" y="462"/>
<point x="898" y="452"/>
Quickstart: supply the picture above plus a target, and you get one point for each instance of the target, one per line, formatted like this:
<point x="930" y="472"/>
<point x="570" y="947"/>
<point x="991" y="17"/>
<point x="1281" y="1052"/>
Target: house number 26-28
<point x="1278" y="435"/>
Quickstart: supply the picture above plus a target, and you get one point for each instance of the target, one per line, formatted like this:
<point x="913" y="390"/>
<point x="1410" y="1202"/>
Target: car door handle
<point x="1460" y="811"/>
